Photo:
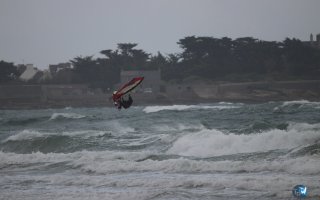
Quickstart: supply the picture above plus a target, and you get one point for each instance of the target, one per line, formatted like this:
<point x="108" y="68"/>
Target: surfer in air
<point x="119" y="103"/>
<point x="126" y="103"/>
<point x="118" y="96"/>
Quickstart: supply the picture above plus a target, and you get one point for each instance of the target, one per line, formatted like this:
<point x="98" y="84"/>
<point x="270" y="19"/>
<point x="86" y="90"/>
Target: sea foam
<point x="209" y="143"/>
<point x="301" y="103"/>
<point x="34" y="134"/>
<point x="109" y="162"/>
<point x="66" y="116"/>
<point x="222" y="106"/>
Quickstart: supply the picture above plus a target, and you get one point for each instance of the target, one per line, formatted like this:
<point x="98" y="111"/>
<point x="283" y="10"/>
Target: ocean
<point x="205" y="151"/>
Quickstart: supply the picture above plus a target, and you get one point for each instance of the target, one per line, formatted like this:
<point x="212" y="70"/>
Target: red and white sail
<point x="127" y="88"/>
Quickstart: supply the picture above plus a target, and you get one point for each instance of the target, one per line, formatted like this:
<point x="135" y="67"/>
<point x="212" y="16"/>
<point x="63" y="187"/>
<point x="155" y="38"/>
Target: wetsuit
<point x="126" y="103"/>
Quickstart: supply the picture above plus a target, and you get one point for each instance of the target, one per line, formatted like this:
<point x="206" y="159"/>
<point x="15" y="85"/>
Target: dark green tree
<point x="300" y="59"/>
<point x="130" y="58"/>
<point x="241" y="59"/>
<point x="8" y="72"/>
<point x="157" y="62"/>
<point x="86" y="67"/>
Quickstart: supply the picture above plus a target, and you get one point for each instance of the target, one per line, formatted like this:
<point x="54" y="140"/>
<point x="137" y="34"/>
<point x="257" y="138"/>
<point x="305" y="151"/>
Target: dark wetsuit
<point x="126" y="103"/>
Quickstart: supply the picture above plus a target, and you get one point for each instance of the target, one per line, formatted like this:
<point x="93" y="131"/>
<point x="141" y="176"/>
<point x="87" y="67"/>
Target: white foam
<point x="301" y="103"/>
<point x="108" y="162"/>
<point x="113" y="127"/>
<point x="25" y="135"/>
<point x="155" y="186"/>
<point x="77" y="158"/>
<point x="84" y="133"/>
<point x="303" y="165"/>
<point x="151" y="109"/>
<point x="177" y="127"/>
<point x="33" y="134"/>
<point x="223" y="102"/>
<point x="118" y="128"/>
<point x="66" y="115"/>
<point x="209" y="143"/>
<point x="301" y="127"/>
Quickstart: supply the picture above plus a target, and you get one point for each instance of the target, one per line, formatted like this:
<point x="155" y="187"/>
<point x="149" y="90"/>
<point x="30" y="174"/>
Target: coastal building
<point x="30" y="73"/>
<point x="152" y="80"/>
<point x="46" y="75"/>
<point x="54" y="69"/>
<point x="316" y="42"/>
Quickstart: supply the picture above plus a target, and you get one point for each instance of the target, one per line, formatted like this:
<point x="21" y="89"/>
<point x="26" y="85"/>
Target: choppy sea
<point x="206" y="151"/>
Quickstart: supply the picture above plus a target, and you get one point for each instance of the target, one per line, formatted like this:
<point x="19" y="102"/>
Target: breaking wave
<point x="301" y="103"/>
<point x="106" y="162"/>
<point x="206" y="151"/>
<point x="221" y="106"/>
<point x="210" y="143"/>
<point x="34" y="134"/>
<point x="57" y="116"/>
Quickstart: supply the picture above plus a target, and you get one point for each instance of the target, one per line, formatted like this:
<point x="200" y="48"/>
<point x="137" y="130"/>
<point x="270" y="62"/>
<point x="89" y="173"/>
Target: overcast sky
<point x="46" y="32"/>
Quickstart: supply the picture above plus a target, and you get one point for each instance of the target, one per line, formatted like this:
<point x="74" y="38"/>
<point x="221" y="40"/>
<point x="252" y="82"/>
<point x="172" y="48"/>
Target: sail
<point x="127" y="87"/>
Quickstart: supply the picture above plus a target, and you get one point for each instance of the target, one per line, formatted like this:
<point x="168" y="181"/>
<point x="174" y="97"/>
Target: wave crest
<point x="56" y="116"/>
<point x="34" y="134"/>
<point x="106" y="162"/>
<point x="301" y="103"/>
<point x="221" y="106"/>
<point x="210" y="143"/>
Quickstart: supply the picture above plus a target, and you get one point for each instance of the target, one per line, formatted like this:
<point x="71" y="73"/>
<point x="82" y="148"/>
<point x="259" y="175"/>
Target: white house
<point x="30" y="73"/>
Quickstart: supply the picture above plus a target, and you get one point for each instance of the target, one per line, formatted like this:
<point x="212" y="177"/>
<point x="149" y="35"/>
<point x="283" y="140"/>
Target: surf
<point x="209" y="143"/>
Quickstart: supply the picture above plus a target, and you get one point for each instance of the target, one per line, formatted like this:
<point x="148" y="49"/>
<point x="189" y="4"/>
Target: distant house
<point x="314" y="43"/>
<point x="54" y="69"/>
<point x="151" y="83"/>
<point x="46" y="75"/>
<point x="31" y="73"/>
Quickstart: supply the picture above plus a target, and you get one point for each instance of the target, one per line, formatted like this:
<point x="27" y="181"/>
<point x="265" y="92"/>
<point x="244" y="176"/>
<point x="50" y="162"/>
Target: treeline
<point x="8" y="72"/>
<point x="245" y="59"/>
<point x="209" y="58"/>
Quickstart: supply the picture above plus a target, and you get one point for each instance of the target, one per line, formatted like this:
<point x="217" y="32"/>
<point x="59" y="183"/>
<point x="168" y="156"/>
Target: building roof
<point x="29" y="73"/>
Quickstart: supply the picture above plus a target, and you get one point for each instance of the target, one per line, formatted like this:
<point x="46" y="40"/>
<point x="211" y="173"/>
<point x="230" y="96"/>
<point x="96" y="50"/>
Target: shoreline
<point x="19" y="97"/>
<point x="153" y="103"/>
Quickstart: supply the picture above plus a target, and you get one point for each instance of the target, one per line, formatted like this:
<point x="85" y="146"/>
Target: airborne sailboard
<point x="126" y="88"/>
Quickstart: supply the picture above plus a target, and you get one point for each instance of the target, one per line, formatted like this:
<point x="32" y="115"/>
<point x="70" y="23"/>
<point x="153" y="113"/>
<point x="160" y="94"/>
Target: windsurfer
<point x="121" y="102"/>
<point x="117" y="96"/>
<point x="126" y="103"/>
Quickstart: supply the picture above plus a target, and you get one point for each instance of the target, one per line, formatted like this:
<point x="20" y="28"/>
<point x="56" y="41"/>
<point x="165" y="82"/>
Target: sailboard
<point x="126" y="88"/>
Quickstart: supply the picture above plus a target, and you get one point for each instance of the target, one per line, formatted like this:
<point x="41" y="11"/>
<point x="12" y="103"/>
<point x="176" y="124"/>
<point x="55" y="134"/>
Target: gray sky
<point x="46" y="32"/>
